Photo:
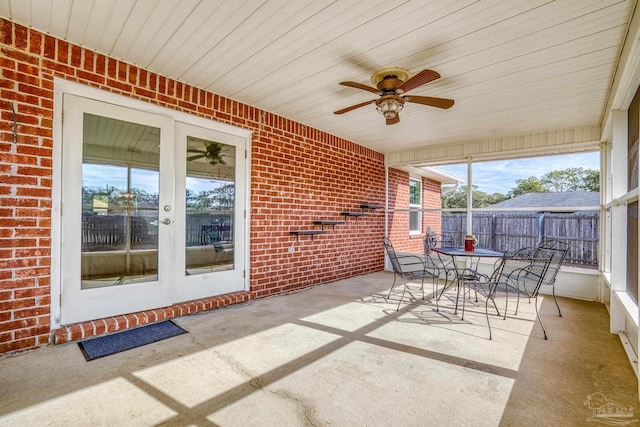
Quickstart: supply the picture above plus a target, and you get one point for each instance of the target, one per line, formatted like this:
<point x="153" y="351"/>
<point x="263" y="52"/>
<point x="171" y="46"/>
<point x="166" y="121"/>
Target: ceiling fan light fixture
<point x="389" y="107"/>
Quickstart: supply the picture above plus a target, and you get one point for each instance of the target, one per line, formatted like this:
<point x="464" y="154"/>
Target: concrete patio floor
<point x="335" y="355"/>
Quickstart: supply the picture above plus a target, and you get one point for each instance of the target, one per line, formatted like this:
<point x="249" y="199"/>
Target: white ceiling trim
<point x="585" y="138"/>
<point x="431" y="173"/>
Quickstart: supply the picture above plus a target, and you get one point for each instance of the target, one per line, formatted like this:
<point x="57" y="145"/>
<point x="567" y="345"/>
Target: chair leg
<point x="539" y="319"/>
<point x="493" y="300"/>
<point x="403" y="292"/>
<point x="463" y="300"/>
<point x="394" y="283"/>
<point x="435" y="291"/>
<point x="458" y="285"/>
<point x="506" y="303"/>
<point x="447" y="284"/>
<point x="486" y="312"/>
<point x="553" y="288"/>
<point x="443" y="289"/>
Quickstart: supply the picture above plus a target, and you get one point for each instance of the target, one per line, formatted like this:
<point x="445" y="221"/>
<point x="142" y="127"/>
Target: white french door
<point x="152" y="211"/>
<point x="209" y="191"/>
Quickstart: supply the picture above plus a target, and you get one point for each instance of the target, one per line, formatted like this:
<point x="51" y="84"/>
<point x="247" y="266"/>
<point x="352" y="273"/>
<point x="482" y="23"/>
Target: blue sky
<point x="501" y="176"/>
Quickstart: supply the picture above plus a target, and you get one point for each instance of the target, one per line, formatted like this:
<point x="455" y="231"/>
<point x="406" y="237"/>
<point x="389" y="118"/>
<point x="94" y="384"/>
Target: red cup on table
<point x="469" y="243"/>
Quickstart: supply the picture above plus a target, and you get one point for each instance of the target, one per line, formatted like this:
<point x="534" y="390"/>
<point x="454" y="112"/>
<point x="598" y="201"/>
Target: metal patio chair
<point x="444" y="264"/>
<point x="555" y="249"/>
<point x="520" y="273"/>
<point x="411" y="268"/>
<point x="558" y="251"/>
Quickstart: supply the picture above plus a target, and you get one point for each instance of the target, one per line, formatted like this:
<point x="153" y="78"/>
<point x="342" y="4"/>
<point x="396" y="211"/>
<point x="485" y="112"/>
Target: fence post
<point x="493" y="232"/>
<point x="540" y="228"/>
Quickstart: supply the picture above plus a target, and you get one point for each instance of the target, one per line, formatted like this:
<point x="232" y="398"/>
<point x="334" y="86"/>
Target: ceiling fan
<point x="212" y="152"/>
<point x="391" y="84"/>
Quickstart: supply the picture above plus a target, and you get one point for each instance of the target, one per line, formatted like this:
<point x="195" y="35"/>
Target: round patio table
<point x="467" y="272"/>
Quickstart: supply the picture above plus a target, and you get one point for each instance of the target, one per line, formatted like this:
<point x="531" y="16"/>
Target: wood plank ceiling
<point x="514" y="68"/>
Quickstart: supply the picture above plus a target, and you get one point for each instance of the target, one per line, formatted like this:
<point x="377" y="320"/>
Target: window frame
<point x="415" y="208"/>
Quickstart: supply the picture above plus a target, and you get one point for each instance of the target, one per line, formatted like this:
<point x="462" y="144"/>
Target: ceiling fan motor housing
<point x="389" y="84"/>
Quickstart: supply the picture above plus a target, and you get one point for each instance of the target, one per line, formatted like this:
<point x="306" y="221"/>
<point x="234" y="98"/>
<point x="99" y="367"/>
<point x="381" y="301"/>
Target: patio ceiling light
<point x="389" y="106"/>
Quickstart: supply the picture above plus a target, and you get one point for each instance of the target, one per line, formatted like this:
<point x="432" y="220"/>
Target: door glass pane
<point x="210" y="204"/>
<point x="120" y="199"/>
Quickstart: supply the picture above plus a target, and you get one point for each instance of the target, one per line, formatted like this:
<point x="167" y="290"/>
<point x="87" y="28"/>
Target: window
<point x="415" y="206"/>
<point x="517" y="203"/>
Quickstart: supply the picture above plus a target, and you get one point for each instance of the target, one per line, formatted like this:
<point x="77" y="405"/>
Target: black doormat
<point x="126" y="340"/>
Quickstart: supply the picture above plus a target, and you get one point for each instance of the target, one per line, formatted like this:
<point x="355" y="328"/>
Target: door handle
<point x="166" y="221"/>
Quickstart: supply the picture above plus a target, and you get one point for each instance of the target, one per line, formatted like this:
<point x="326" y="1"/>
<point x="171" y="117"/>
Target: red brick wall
<point x="431" y="198"/>
<point x="399" y="199"/>
<point x="399" y="221"/>
<point x="298" y="174"/>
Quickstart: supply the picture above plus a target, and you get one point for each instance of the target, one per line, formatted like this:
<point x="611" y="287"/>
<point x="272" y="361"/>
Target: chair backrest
<point x="433" y="240"/>
<point x="509" y="266"/>
<point x="391" y="253"/>
<point x="430" y="242"/>
<point x="524" y="268"/>
<point x="557" y="250"/>
<point x="536" y="273"/>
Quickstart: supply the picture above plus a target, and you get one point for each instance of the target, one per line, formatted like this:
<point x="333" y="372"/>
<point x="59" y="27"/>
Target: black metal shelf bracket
<point x="355" y="215"/>
<point x="311" y="233"/>
<point x="323" y="222"/>
<point x="370" y="206"/>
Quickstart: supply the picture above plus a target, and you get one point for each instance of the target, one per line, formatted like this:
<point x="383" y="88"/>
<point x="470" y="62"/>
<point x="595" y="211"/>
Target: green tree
<point x="143" y="196"/>
<point x="458" y="198"/>
<point x="591" y="180"/>
<point x="219" y="198"/>
<point x="527" y="185"/>
<point x="572" y="179"/>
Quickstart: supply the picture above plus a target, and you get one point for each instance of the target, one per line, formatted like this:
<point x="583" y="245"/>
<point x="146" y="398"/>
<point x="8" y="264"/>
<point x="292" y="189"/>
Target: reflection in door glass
<point x="210" y="204"/>
<point x="120" y="199"/>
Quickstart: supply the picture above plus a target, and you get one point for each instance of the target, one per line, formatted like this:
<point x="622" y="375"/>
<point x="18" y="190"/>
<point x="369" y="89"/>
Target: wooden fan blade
<point x="353" y="107"/>
<point x="423" y="77"/>
<point x="394" y="120"/>
<point x="196" y="157"/>
<point x="361" y="86"/>
<point x="433" y="102"/>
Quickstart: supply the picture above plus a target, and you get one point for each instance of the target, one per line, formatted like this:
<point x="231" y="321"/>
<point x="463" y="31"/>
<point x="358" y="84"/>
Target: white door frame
<point x="65" y="87"/>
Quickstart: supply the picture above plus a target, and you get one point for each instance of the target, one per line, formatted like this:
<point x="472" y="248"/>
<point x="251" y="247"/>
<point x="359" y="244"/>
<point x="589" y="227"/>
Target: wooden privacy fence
<point x="206" y="228"/>
<point x="109" y="232"/>
<point x="507" y="231"/>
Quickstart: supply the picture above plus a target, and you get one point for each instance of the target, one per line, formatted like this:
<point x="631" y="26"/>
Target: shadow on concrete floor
<point x="337" y="354"/>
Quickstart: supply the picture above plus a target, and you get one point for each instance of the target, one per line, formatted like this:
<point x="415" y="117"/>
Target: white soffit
<point x="514" y="68"/>
<point x="547" y="143"/>
<point x="431" y="173"/>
